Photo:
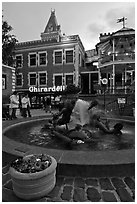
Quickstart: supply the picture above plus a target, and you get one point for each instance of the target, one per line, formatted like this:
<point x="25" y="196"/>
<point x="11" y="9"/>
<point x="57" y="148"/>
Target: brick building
<point x="8" y="82"/>
<point x="51" y="63"/>
<point x="56" y="60"/>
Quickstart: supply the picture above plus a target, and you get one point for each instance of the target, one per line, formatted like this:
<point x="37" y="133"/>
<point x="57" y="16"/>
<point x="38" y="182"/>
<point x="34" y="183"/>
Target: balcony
<point x="118" y="57"/>
<point x="124" y="56"/>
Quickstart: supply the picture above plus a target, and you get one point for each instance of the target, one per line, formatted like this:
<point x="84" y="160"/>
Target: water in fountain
<point x="35" y="134"/>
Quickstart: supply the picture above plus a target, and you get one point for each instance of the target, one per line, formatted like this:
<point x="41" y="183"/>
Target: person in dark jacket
<point x="48" y="104"/>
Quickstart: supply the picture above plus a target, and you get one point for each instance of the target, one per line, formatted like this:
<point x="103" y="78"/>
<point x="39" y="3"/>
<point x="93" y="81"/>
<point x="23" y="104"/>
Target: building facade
<point x="56" y="60"/>
<point x="51" y="63"/>
<point x="8" y="82"/>
<point x="116" y="61"/>
<point x="89" y="74"/>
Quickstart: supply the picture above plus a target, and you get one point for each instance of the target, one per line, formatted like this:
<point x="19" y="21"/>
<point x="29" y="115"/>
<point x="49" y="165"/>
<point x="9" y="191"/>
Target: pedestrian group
<point x="15" y="104"/>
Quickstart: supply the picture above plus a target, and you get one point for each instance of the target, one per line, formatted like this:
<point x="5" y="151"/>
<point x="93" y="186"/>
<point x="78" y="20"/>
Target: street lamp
<point x="104" y="82"/>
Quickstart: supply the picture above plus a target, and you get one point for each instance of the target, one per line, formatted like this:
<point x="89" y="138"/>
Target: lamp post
<point x="104" y="82"/>
<point x="63" y="77"/>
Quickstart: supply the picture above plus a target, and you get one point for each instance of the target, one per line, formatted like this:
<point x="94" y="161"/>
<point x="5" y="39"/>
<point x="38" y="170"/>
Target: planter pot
<point x="30" y="186"/>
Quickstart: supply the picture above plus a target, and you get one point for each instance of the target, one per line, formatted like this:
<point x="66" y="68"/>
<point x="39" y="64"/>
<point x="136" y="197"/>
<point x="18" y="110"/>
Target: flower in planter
<point x="32" y="164"/>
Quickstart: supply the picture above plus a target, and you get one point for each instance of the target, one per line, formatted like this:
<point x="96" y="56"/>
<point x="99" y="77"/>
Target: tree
<point x="8" y="44"/>
<point x="72" y="89"/>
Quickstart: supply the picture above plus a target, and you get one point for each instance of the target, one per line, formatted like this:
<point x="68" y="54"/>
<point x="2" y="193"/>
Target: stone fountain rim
<point x="112" y="157"/>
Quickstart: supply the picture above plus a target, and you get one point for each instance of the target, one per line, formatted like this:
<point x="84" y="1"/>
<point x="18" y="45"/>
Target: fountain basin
<point x="73" y="162"/>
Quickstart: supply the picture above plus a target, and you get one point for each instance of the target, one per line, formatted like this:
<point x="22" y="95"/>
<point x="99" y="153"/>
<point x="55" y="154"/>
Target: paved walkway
<point x="76" y="189"/>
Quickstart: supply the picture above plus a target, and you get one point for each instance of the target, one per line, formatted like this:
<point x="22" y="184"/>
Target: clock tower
<point x="52" y="30"/>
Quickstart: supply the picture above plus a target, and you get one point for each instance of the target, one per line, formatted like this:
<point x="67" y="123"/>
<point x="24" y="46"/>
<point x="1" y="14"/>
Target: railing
<point x="121" y="104"/>
<point x="117" y="90"/>
<point x="126" y="56"/>
<point x="117" y="57"/>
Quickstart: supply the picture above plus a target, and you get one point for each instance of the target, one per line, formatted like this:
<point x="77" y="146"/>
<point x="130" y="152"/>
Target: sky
<point x="86" y="19"/>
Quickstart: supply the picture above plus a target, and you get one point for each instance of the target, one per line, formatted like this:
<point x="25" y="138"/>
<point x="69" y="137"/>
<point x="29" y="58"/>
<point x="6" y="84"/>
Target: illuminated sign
<point x="121" y="100"/>
<point x="46" y="89"/>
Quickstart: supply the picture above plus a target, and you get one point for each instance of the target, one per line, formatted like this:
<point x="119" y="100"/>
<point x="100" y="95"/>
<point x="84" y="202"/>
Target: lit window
<point x="19" y="80"/>
<point x="42" y="58"/>
<point x="32" y="59"/>
<point x="32" y="79"/>
<point x="18" y="61"/>
<point x="42" y="78"/>
<point x="69" y="56"/>
<point x="58" y="57"/>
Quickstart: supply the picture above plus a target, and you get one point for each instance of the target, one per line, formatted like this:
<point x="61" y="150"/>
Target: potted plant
<point x="33" y="176"/>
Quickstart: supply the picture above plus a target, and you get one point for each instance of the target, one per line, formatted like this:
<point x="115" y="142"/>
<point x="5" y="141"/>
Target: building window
<point x="19" y="59"/>
<point x="82" y="63"/>
<point x="42" y="78"/>
<point x="118" y="79"/>
<point x="43" y="58"/>
<point x="58" y="57"/>
<point x="19" y="79"/>
<point x="4" y="81"/>
<point x="32" y="59"/>
<point x="69" y="79"/>
<point x="58" y="80"/>
<point x="79" y="59"/>
<point x="69" y="56"/>
<point x="32" y="79"/>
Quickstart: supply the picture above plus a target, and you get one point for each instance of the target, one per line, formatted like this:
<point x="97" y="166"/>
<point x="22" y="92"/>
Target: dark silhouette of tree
<point x="8" y="44"/>
<point x="72" y="89"/>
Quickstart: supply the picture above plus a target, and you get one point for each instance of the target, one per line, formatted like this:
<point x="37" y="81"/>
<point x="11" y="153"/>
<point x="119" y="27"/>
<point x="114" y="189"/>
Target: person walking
<point x="14" y="104"/>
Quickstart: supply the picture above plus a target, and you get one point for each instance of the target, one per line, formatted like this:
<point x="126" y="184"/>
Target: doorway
<point x="85" y="83"/>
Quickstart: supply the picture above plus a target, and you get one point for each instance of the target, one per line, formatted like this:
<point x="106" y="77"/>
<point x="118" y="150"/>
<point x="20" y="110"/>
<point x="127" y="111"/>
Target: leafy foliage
<point x="8" y="44"/>
<point x="72" y="89"/>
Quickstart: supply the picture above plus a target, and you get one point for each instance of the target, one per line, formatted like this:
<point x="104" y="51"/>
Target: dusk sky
<point x="86" y="19"/>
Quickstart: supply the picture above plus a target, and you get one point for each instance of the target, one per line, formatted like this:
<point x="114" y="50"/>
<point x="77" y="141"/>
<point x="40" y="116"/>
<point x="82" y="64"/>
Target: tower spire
<point x="52" y="28"/>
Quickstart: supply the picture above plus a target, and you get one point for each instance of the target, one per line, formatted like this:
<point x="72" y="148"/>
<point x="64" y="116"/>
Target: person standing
<point x="25" y="106"/>
<point x="48" y="104"/>
<point x="28" y="106"/>
<point x="44" y="103"/>
<point x="14" y="104"/>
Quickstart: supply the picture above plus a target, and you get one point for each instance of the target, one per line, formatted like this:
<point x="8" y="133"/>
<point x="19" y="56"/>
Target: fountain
<point x="104" y="150"/>
<point x="39" y="133"/>
<point x="102" y="153"/>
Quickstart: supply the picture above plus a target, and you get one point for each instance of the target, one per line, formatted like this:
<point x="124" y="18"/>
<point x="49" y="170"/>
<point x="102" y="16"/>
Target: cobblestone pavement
<point x="78" y="189"/>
